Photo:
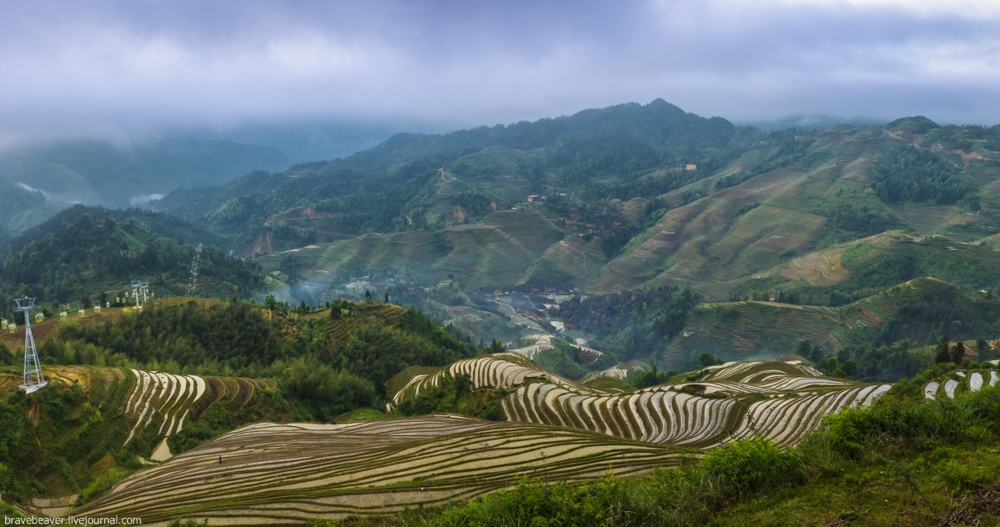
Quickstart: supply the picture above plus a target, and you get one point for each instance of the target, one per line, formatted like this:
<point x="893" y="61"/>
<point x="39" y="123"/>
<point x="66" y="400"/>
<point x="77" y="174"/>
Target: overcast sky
<point x="100" y="67"/>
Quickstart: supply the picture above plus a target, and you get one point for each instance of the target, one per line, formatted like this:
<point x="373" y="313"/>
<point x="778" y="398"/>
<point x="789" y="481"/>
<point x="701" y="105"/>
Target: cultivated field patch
<point x="961" y="381"/>
<point x="781" y="400"/>
<point x="273" y="474"/>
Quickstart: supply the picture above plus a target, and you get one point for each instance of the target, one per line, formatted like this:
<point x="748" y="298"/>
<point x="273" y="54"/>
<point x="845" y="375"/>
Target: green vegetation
<point x="568" y="360"/>
<point x="635" y="330"/>
<point x="74" y="436"/>
<point x="860" y="221"/>
<point x="20" y="208"/>
<point x="332" y="365"/>
<point x="159" y="223"/>
<point x="187" y="337"/>
<point x="454" y="395"/>
<point x="649" y="377"/>
<point x="91" y="257"/>
<point x="52" y="440"/>
<point x="916" y="174"/>
<point x="404" y="184"/>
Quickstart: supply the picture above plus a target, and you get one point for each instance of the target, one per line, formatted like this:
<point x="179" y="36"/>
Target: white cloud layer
<point x="105" y="67"/>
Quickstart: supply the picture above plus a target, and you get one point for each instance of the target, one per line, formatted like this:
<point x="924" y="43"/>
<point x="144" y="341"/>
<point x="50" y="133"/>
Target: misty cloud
<point x="119" y="67"/>
<point x="136" y="201"/>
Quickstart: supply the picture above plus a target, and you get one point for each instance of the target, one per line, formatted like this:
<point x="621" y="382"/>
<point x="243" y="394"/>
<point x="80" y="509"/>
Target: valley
<point x="612" y="299"/>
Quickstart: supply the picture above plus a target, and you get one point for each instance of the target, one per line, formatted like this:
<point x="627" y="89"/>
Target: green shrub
<point x="750" y="467"/>
<point x="491" y="412"/>
<point x="610" y="501"/>
<point x="100" y="485"/>
<point x="8" y="480"/>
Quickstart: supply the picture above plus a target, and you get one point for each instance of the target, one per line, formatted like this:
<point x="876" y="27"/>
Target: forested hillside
<point x="75" y="255"/>
<point x="21" y="208"/>
<point x="399" y="184"/>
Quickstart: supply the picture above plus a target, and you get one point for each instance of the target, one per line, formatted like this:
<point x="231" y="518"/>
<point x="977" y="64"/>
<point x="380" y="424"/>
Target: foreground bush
<point x="751" y="467"/>
<point x="894" y="426"/>
<point x="667" y="497"/>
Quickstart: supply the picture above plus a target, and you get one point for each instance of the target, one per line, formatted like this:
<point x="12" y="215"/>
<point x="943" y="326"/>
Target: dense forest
<point x="90" y="257"/>
<point x="159" y="223"/>
<point x="916" y="174"/>
<point x="633" y="324"/>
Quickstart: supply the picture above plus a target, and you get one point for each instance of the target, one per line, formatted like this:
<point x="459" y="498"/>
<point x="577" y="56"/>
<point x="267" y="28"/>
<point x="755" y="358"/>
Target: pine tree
<point x="942" y="356"/>
<point x="958" y="353"/>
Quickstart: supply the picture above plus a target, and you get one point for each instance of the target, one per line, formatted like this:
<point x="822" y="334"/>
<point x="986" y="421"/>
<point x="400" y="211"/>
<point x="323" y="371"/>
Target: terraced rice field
<point x="819" y="268"/>
<point x="960" y="381"/>
<point x="502" y="371"/>
<point x="781" y="400"/>
<point x="620" y="371"/>
<point x="165" y="401"/>
<point x="543" y="342"/>
<point x="824" y="268"/>
<point x="274" y="474"/>
<point x="165" y="394"/>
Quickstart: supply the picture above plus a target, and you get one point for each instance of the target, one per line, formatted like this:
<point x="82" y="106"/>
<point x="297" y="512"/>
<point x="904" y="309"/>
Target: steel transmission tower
<point x="32" y="367"/>
<point x="136" y="285"/>
<point x="194" y="268"/>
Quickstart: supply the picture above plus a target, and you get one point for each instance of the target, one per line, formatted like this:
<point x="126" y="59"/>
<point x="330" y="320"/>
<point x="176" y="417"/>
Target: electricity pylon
<point x="33" y="378"/>
<point x="136" y="285"/>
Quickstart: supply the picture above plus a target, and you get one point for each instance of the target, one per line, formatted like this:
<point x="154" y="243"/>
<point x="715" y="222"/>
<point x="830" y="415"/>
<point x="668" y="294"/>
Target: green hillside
<point x="674" y="328"/>
<point x="759" y="213"/>
<point x="847" y="272"/>
<point x="747" y="209"/>
<point x="821" y="217"/>
<point x="20" y="209"/>
<point x="76" y="255"/>
<point x="428" y="181"/>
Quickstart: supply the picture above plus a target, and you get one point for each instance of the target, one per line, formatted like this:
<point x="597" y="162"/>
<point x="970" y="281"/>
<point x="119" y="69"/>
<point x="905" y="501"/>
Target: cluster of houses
<point x="596" y="223"/>
<point x="528" y="289"/>
<point x="528" y="300"/>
